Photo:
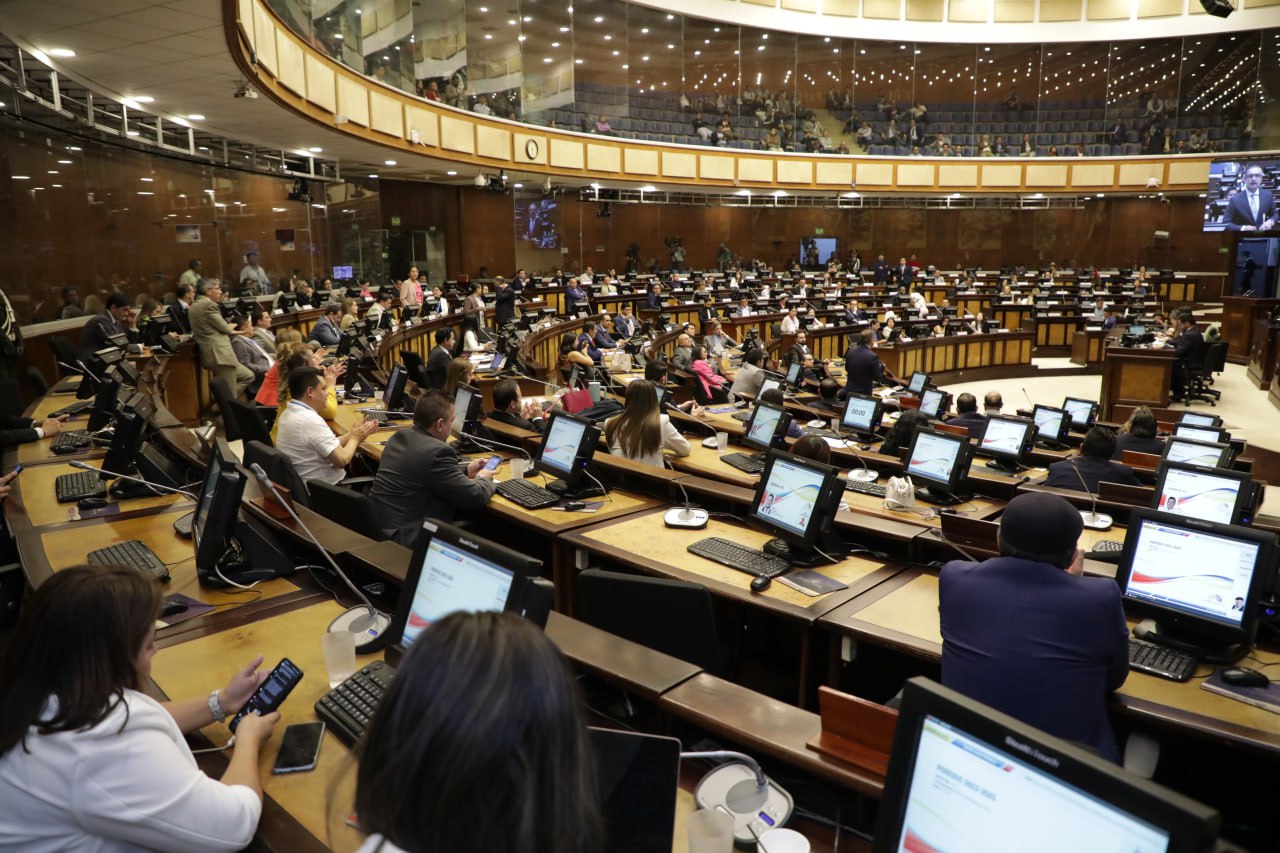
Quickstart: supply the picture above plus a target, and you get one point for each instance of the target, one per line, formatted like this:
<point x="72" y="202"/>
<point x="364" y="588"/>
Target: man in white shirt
<point x="791" y="323"/>
<point x="191" y="275"/>
<point x="252" y="270"/>
<point x="587" y="278"/>
<point x="307" y="440"/>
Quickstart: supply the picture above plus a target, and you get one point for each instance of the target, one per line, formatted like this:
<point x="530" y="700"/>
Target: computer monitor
<point x="794" y="374"/>
<point x="933" y="403"/>
<point x="797" y="500"/>
<point x="937" y="464"/>
<point x="1200" y="419"/>
<point x="214" y="524"/>
<point x="454" y="571"/>
<point x="127" y="440"/>
<point x="767" y="428"/>
<point x="1083" y="412"/>
<point x="1201" y="580"/>
<point x="467" y="405"/>
<point x="104" y="404"/>
<point x="1203" y="492"/>
<point x="343" y="272"/>
<point x="1200" y="433"/>
<point x="1005" y="439"/>
<point x="862" y="415"/>
<point x="961" y="773"/>
<point x="918" y="382"/>
<point x="1209" y="453"/>
<point x="1052" y="424"/>
<point x="568" y="444"/>
<point x="639" y="776"/>
<point x="393" y="394"/>
<point x="771" y="380"/>
<point x="1137" y="330"/>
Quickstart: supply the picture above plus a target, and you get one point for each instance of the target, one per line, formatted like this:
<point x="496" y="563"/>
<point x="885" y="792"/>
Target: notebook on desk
<point x="1267" y="698"/>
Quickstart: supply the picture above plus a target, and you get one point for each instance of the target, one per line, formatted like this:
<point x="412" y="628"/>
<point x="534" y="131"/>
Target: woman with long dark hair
<point x="88" y="761"/>
<point x="642" y="432"/>
<point x="479" y="745"/>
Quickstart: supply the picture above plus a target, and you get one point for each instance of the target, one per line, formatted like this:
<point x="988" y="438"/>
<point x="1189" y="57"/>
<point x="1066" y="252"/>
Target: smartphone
<point x="491" y="465"/>
<point x="299" y="748"/>
<point x="17" y="469"/>
<point x="272" y="692"/>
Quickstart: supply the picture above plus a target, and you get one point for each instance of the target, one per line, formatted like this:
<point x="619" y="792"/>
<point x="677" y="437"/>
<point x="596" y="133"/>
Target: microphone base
<point x="864" y="475"/>
<point x="370" y="633"/>
<point x="696" y="520"/>
<point x="1096" y="520"/>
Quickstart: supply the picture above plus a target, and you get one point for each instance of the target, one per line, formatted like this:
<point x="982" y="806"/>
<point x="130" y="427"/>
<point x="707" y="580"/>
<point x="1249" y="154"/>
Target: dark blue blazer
<point x="975" y="422"/>
<point x="1035" y="642"/>
<point x="880" y="271"/>
<point x="1093" y="470"/>
<point x="1238" y="212"/>
<point x="863" y="370"/>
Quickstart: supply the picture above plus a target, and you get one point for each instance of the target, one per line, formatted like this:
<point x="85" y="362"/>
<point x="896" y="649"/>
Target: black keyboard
<point x="71" y="440"/>
<point x="383" y="417"/>
<point x="743" y="416"/>
<point x="1155" y="659"/>
<point x="740" y="557"/>
<point x="132" y="553"/>
<point x="76" y="408"/>
<point x="1106" y="550"/>
<point x="347" y="708"/>
<point x="747" y="463"/>
<point x="873" y="489"/>
<point x="526" y="494"/>
<point x="82" y="484"/>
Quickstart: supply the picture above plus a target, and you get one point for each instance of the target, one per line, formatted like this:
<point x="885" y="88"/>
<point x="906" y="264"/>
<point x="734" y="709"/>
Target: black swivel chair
<point x="279" y="468"/>
<point x="38" y="383"/>
<point x="346" y="507"/>
<point x="247" y="419"/>
<point x="414" y="366"/>
<point x="669" y="616"/>
<point x="223" y="396"/>
<point x="65" y="353"/>
<point x="1200" y="376"/>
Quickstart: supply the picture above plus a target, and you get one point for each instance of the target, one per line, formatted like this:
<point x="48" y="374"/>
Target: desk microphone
<point x="1028" y="396"/>
<point x="866" y="475"/>
<point x="494" y="442"/>
<point x="168" y="489"/>
<point x="740" y="787"/>
<point x="1092" y="519"/>
<point x="366" y="623"/>
<point x="688" y="517"/>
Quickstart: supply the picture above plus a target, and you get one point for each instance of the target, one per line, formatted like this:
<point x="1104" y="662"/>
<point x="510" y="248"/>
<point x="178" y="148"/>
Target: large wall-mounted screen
<point x="1242" y="195"/>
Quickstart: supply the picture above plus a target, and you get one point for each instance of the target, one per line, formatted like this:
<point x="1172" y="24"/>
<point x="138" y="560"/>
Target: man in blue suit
<point x="880" y="270"/>
<point x="862" y="367"/>
<point x="1253" y="208"/>
<point x="1028" y="634"/>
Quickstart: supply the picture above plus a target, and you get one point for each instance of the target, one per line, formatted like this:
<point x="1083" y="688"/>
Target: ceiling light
<point x="65" y="162"/>
<point x="600" y="20"/>
<point x="315" y="150"/>
<point x="143" y="192"/>
<point x="373" y="176"/>
<point x="62" y="52"/>
<point x="389" y="162"/>
<point x="277" y="210"/>
<point x="451" y="173"/>
<point x="648" y="188"/>
<point x="518" y="186"/>
<point x="54" y="172"/>
<point x="22" y="177"/>
<point x="147" y="180"/>
<point x="144" y="99"/>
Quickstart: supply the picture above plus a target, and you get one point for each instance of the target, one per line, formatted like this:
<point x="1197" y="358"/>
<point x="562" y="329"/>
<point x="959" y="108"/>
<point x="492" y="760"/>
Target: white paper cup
<point x="783" y="841"/>
<point x="710" y="831"/>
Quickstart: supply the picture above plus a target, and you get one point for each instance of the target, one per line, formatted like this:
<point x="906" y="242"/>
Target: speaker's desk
<point x="1135" y="376"/>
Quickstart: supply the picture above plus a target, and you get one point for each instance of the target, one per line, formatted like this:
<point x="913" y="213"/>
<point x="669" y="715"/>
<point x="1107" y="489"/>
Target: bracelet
<point x="215" y="708"/>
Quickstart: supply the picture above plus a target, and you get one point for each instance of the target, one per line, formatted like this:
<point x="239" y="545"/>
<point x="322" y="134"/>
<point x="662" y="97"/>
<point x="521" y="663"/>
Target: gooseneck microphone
<point x="490" y="442"/>
<point x="147" y="483"/>
<point x="367" y="624"/>
<point x="1092" y="519"/>
<point x="687" y="516"/>
<point x="866" y="475"/>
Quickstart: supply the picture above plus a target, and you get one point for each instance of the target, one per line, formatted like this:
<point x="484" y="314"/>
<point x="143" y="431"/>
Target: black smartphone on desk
<point x="271" y="693"/>
<point x="299" y="748"/>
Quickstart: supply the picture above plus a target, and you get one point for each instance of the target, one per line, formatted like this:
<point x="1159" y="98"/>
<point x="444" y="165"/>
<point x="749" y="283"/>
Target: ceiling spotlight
<point x="144" y="99"/>
<point x="389" y="162"/>
<point x="481" y="181"/>
<point x="196" y="117"/>
<point x="62" y="52"/>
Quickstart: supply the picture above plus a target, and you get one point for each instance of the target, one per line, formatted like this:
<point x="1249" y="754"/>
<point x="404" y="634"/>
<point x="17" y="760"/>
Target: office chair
<point x="223" y="396"/>
<point x="629" y="606"/>
<point x="1200" y="376"/>
<point x="36" y="377"/>
<point x="414" y="367"/>
<point x="248" y="421"/>
<point x="279" y="468"/>
<point x="347" y="507"/>
<point x="65" y="353"/>
<point x="11" y="398"/>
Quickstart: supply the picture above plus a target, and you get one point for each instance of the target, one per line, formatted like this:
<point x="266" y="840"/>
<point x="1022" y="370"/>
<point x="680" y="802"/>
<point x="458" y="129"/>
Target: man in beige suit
<point x="213" y="335"/>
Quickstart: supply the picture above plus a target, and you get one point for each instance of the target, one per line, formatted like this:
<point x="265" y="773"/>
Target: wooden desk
<point x="1135" y="376"/>
<point x="34" y="504"/>
<point x="1239" y="317"/>
<point x="706" y="462"/>
<point x="1087" y="346"/>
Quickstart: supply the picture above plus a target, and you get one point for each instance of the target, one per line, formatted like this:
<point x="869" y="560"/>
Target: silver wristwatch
<point x="215" y="708"/>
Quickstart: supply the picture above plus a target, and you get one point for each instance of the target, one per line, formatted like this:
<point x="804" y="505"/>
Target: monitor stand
<point x="1050" y="444"/>
<point x="1218" y="653"/>
<point x="582" y="492"/>
<point x="802" y="559"/>
<point x="1004" y="466"/>
<point x="467" y="444"/>
<point x="938" y="496"/>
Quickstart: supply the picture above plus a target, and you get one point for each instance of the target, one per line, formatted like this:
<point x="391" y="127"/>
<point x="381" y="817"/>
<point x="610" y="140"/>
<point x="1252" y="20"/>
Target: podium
<point x="1263" y="353"/>
<point x="1239" y="316"/>
<point x="1135" y="376"/>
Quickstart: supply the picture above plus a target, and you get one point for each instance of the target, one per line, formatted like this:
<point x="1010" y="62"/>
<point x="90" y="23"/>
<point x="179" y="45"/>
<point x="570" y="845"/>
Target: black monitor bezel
<point x="1217" y="420"/>
<point x="1192" y="826"/>
<point x="826" y="505"/>
<point x="127" y="441"/>
<point x="876" y="416"/>
<point x="1201" y="627"/>
<point x="1093" y="410"/>
<point x="1028" y="438"/>
<point x="1064" y="422"/>
<point x="1224" y="450"/>
<point x="925" y="384"/>
<point x="582" y="457"/>
<point x="772" y="375"/>
<point x="959" y="469"/>
<point x="779" y="430"/>
<point x="796" y="367"/>
<point x="474" y="412"/>
<point x="393" y="394"/>
<point x="1224" y="437"/>
<point x="1244" y="494"/>
<point x="943" y="398"/>
<point x="224" y="507"/>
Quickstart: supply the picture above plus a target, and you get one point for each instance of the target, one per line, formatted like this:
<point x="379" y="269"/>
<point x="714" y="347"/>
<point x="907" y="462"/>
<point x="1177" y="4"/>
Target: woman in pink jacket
<point x="712" y="382"/>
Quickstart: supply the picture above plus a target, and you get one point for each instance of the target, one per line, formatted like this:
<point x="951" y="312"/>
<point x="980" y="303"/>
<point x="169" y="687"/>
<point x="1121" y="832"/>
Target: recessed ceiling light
<point x="451" y="173"/>
<point x="277" y="210"/>
<point x="389" y="162"/>
<point x="373" y="176"/>
<point x="65" y="53"/>
<point x="315" y="150"/>
<point x="143" y="192"/>
<point x="147" y="180"/>
<point x="22" y="177"/>
<point x="518" y="186"/>
<point x="196" y="117"/>
<point x="144" y="99"/>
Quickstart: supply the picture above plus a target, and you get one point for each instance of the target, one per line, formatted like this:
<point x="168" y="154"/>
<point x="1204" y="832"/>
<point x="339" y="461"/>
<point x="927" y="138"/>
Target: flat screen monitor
<point x="1007" y="438"/>
<point x="104" y="404"/>
<point x="1203" y="492"/>
<point x="126" y="442"/>
<point x="393" y="394"/>
<point x="453" y="571"/>
<point x="568" y="444"/>
<point x="1051" y="424"/>
<point x="937" y="464"/>
<point x="862" y="414"/>
<point x="343" y="273"/>
<point x="796" y="499"/>
<point x="1226" y="205"/>
<point x="771" y="380"/>
<point x="639" y="777"/>
<point x="213" y="526"/>
<point x="793" y="374"/>
<point x="466" y="409"/>
<point x="1200" y="419"/>
<point x="1082" y="412"/>
<point x="1197" y="433"/>
<point x="1207" y="453"/>
<point x="1200" y="579"/>
<point x="932" y="403"/>
<point x="965" y="778"/>
<point x="767" y="427"/>
<point x="1137" y="330"/>
<point x="918" y="382"/>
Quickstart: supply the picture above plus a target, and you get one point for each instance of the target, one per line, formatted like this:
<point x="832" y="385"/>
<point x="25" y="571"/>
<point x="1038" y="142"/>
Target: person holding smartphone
<point x="89" y="761"/>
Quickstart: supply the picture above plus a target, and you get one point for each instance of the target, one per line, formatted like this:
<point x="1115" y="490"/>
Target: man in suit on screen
<point x="1254" y="208"/>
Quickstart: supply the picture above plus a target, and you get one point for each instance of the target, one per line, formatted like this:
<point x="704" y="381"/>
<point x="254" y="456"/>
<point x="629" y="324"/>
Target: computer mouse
<point x="760" y="583"/>
<point x="91" y="503"/>
<point x="1244" y="677"/>
<point x="173" y="608"/>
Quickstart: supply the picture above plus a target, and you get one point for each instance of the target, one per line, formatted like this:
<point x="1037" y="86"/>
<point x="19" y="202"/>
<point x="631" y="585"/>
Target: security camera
<point x="546" y="187"/>
<point x="243" y="91"/>
<point x="1152" y="183"/>
<point x="481" y="181"/>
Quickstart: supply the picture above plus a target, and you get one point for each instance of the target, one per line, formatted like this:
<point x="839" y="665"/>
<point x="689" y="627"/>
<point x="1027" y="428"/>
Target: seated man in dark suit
<point x="968" y="416"/>
<point x="116" y="319"/>
<point x="1028" y="634"/>
<point x="1083" y="473"/>
<point x="420" y="475"/>
<point x="326" y="332"/>
<point x="438" y="359"/>
<point x="588" y="336"/>
<point x="509" y="409"/>
<point x="1188" y="351"/>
